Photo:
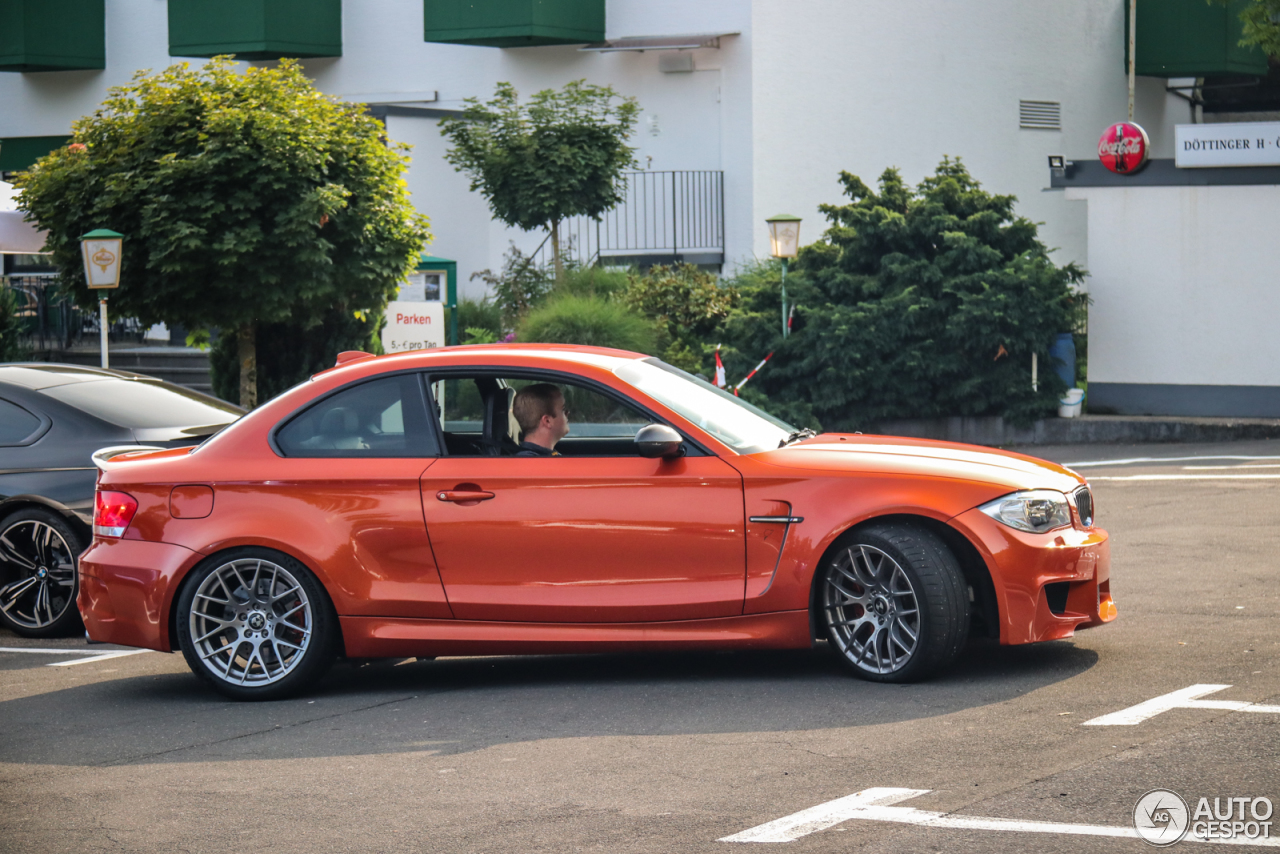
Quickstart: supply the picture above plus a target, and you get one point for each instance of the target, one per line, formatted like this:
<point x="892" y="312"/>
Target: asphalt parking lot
<point x="662" y="753"/>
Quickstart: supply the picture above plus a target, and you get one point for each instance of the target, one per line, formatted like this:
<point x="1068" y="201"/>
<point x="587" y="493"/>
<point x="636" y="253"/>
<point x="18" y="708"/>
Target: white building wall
<point x="1184" y="287"/>
<point x="865" y="85"/>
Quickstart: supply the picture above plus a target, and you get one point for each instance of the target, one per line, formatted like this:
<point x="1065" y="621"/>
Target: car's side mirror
<point x="659" y="440"/>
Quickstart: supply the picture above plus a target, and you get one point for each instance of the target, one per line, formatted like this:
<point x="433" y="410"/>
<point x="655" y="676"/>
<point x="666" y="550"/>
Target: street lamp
<point x="101" y="251"/>
<point x="784" y="243"/>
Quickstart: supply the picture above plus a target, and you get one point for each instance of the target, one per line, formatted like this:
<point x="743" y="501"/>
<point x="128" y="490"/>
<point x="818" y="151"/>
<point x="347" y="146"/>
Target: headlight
<point x="1037" y="510"/>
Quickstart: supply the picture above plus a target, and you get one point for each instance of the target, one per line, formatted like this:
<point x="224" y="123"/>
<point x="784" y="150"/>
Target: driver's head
<point x="536" y="402"/>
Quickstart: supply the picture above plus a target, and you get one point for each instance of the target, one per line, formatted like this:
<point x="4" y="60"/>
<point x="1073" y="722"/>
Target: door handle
<point x="464" y="496"/>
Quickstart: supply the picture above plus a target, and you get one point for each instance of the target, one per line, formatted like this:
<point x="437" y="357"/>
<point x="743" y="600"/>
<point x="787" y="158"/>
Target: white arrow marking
<point x="1183" y="699"/>
<point x="873" y="805"/>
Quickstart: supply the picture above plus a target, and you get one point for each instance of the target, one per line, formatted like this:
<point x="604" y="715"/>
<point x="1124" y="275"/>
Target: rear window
<point x="380" y="418"/>
<point x="138" y="404"/>
<point x="16" y="424"/>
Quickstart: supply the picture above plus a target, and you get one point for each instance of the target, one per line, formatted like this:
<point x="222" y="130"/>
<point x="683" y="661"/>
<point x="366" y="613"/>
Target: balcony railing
<point x="663" y="217"/>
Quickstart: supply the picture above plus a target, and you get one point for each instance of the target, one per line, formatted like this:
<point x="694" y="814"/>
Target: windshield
<point x="738" y="424"/>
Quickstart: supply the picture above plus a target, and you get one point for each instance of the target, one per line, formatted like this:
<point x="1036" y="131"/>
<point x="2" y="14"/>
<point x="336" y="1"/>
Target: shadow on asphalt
<point x="466" y="704"/>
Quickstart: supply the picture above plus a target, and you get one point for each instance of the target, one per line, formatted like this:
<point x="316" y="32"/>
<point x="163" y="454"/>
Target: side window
<point x="16" y="424"/>
<point x="381" y="418"/>
<point x="478" y="419"/>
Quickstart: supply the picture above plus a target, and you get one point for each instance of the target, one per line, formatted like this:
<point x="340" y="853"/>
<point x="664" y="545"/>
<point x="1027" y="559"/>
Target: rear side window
<point x="16" y="424"/>
<point x="381" y="418"/>
<point x="139" y="404"/>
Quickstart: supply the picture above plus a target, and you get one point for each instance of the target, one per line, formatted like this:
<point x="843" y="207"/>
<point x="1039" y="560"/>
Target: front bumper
<point x="1047" y="585"/>
<point x="126" y="590"/>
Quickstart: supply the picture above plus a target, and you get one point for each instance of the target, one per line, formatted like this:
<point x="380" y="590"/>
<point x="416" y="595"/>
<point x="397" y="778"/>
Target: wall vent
<point x="1040" y="115"/>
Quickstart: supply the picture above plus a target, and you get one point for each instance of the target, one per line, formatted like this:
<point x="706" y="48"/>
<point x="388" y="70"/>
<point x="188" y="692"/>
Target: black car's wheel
<point x="256" y="625"/>
<point x="894" y="602"/>
<point x="39" y="575"/>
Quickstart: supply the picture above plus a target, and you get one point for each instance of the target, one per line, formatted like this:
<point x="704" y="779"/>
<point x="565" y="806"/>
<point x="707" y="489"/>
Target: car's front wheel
<point x="256" y="624"/>
<point x="39" y="574"/>
<point x="894" y="602"/>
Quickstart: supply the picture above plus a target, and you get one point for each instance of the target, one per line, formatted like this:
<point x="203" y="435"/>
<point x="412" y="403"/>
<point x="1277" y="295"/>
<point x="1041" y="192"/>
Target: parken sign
<point x="413" y="326"/>
<point x="1229" y="144"/>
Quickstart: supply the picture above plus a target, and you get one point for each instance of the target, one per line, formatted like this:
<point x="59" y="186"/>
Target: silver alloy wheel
<point x="251" y="622"/>
<point x="46" y="565"/>
<point x="872" y="611"/>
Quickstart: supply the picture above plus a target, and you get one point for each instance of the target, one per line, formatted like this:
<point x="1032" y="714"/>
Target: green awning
<point x="52" y="35"/>
<point x="1192" y="38"/>
<point x="513" y="23"/>
<point x="255" y="29"/>
<point x="17" y="153"/>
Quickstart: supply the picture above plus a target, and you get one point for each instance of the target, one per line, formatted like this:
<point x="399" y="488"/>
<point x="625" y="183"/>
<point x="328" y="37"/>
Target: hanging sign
<point x="413" y="326"/>
<point x="1124" y="148"/>
<point x="102" y="262"/>
<point x="1228" y="144"/>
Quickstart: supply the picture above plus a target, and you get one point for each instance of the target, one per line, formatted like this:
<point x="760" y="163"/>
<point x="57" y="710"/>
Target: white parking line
<point x="874" y="805"/>
<point x="95" y="656"/>
<point x="1133" y="461"/>
<point x="100" y="657"/>
<point x="1186" y="698"/>
<point x="1190" y="477"/>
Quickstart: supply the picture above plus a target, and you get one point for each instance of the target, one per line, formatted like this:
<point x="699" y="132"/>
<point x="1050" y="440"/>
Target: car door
<point x="598" y="534"/>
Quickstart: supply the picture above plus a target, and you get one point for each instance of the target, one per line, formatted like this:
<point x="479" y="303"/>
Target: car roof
<point x="41" y="375"/>
<point x="599" y="357"/>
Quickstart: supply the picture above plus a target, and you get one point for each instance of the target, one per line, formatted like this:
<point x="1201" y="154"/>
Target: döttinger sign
<point x="1229" y="144"/>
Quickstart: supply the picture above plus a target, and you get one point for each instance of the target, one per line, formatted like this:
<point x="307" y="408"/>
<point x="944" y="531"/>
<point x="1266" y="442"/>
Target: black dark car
<point x="52" y="419"/>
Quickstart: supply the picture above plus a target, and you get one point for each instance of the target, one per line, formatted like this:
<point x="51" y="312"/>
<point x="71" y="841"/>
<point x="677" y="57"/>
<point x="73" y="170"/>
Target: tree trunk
<point x="247" y="351"/>
<point x="555" y="250"/>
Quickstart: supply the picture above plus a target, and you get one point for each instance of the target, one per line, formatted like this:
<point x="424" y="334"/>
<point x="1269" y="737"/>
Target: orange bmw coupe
<point x="385" y="508"/>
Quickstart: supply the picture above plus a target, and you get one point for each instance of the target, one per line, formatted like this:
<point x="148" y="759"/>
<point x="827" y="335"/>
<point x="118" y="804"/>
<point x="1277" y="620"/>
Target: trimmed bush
<point x="586" y="320"/>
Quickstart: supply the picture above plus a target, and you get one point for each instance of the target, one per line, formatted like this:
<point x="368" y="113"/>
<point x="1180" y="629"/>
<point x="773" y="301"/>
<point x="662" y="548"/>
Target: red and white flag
<point x="721" y="382"/>
<point x="753" y="372"/>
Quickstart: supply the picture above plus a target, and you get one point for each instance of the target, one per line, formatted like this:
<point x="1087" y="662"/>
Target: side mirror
<point x="659" y="440"/>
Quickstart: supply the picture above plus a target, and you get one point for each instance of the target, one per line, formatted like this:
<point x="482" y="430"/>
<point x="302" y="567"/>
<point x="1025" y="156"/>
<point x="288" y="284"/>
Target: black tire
<point x="884" y="582"/>
<point x="39" y="574"/>
<point x="256" y="625"/>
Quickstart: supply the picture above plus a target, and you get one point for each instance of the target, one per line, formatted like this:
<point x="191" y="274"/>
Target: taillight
<point x="112" y="513"/>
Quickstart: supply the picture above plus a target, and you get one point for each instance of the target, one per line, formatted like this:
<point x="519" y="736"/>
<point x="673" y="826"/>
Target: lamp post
<point x="784" y="243"/>
<point x="101" y="251"/>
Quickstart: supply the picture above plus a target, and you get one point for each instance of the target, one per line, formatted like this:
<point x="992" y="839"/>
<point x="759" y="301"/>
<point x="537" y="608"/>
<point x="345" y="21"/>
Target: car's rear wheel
<point x="894" y="602"/>
<point x="256" y="625"/>
<point x="39" y="575"/>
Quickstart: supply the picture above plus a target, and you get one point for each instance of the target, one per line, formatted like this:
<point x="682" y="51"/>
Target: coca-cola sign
<point x="1124" y="148"/>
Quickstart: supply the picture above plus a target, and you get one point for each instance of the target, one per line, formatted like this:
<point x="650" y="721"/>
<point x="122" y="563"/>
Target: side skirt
<point x="388" y="637"/>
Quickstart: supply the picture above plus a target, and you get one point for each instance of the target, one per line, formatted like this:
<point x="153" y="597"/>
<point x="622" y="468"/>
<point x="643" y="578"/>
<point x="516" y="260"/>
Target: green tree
<point x="11" y="346"/>
<point x="559" y="154"/>
<point x="1261" y="20"/>
<point x="919" y="302"/>
<point x="246" y="200"/>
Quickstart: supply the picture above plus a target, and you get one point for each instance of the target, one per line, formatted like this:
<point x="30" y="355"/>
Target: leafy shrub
<point x="587" y="320"/>
<point x="11" y="347"/>
<point x="517" y="287"/>
<point x="603" y="282"/>
<point x="686" y="304"/>
<point x="918" y="302"/>
<point x="481" y="317"/>
<point x="288" y="353"/>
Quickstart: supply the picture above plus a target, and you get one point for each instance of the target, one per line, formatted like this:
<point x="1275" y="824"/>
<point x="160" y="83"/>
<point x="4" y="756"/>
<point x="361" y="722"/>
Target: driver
<point x="539" y="410"/>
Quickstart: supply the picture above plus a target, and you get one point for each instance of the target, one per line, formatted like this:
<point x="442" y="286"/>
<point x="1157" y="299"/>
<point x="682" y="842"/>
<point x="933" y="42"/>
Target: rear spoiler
<point x="103" y="456"/>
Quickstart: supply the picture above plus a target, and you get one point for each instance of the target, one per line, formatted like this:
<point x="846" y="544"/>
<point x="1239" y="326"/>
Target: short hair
<point x="534" y="401"/>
